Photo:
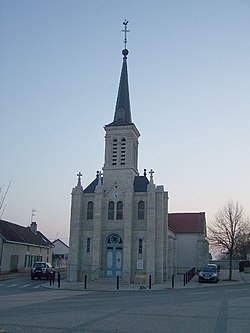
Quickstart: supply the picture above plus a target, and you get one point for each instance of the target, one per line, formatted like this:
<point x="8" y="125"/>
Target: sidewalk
<point x="111" y="285"/>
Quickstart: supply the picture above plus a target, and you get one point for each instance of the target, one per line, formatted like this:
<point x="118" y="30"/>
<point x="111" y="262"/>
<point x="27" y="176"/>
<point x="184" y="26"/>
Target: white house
<point x="60" y="254"/>
<point x="190" y="232"/>
<point x="21" y="246"/>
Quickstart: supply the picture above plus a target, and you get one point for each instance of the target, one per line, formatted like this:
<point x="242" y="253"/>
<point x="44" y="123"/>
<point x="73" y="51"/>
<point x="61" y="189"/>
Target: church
<point x="119" y="222"/>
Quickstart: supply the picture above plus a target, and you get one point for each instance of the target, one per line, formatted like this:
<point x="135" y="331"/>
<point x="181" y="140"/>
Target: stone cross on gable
<point x="79" y="175"/>
<point x="151" y="172"/>
<point x="99" y="174"/>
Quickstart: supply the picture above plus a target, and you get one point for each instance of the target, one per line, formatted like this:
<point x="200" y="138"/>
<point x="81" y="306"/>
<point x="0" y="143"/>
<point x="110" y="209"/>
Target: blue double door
<point x="114" y="256"/>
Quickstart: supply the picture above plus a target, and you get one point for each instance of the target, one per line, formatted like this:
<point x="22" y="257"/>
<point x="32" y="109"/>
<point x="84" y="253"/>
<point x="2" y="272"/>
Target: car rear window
<point x="39" y="264"/>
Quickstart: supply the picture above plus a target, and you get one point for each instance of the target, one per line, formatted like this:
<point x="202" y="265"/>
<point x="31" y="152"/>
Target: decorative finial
<point x="125" y="51"/>
<point x="151" y="172"/>
<point x="145" y="172"/>
<point x="79" y="175"/>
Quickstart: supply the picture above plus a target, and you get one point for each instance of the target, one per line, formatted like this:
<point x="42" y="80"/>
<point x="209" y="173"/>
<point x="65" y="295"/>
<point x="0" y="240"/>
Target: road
<point x="19" y="285"/>
<point x="217" y="309"/>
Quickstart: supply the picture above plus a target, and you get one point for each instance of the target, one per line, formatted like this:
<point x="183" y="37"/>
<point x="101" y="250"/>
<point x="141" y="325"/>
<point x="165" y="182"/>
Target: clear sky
<point x="189" y="77"/>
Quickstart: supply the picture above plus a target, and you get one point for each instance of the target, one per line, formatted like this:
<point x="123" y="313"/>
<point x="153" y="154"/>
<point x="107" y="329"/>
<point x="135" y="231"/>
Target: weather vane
<point x="125" y="33"/>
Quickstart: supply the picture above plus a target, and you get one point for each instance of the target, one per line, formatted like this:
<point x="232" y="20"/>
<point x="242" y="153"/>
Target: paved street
<point x="18" y="286"/>
<point x="208" y="308"/>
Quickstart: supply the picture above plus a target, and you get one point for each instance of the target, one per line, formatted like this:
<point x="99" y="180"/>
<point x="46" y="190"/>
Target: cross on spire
<point x="125" y="33"/>
<point x="151" y="173"/>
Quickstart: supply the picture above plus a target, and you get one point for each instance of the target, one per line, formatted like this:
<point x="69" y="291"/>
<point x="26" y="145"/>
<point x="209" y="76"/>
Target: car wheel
<point x="32" y="277"/>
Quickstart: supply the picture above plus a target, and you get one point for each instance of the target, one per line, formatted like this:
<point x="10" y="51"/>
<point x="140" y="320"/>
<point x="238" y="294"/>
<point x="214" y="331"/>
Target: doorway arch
<point x="114" y="255"/>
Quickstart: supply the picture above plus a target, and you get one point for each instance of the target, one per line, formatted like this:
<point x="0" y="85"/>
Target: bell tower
<point x="121" y="139"/>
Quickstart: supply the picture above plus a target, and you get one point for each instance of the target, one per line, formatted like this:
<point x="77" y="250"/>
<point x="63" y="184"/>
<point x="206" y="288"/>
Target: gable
<point x="60" y="247"/>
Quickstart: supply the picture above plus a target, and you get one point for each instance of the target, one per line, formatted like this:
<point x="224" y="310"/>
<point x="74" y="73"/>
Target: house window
<point x="141" y="209"/>
<point x="140" y="246"/>
<point x="29" y="260"/>
<point x="90" y="210"/>
<point x="111" y="210"/>
<point x="88" y="245"/>
<point x="119" y="210"/>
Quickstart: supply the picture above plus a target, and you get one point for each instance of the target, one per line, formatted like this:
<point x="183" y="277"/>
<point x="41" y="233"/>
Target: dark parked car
<point x="209" y="273"/>
<point x="42" y="269"/>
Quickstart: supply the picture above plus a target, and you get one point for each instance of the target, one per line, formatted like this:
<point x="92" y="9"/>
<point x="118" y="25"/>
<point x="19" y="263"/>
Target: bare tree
<point x="227" y="230"/>
<point x="243" y="246"/>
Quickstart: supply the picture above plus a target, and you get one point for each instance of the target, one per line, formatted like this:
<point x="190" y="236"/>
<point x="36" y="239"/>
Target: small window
<point x="90" y="210"/>
<point x="141" y="210"/>
<point x="111" y="210"/>
<point x="119" y="210"/>
<point x="88" y="245"/>
<point x="140" y="246"/>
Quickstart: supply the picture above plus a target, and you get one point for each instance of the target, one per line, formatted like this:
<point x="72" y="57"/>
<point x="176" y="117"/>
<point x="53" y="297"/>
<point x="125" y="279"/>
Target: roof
<point x="122" y="108"/>
<point x="12" y="232"/>
<point x="60" y="241"/>
<point x="140" y="184"/>
<point x="91" y="187"/>
<point x="187" y="222"/>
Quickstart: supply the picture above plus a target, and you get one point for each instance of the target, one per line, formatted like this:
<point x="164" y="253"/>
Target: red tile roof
<point x="187" y="222"/>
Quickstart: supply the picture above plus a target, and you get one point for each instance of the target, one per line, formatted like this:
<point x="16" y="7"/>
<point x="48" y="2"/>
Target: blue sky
<point x="189" y="77"/>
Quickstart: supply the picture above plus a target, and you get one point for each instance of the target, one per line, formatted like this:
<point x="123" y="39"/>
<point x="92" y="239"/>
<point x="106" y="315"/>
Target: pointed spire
<point x="122" y="109"/>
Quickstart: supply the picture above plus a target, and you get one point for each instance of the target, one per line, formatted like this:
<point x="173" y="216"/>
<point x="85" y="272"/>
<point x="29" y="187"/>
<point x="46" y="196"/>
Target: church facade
<point x="119" y="223"/>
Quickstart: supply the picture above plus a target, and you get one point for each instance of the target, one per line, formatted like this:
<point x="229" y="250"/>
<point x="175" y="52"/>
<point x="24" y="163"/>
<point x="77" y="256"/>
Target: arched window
<point x="88" y="245"/>
<point x="141" y="209"/>
<point x="111" y="210"/>
<point x="90" y="210"/>
<point x="119" y="210"/>
<point x="140" y="246"/>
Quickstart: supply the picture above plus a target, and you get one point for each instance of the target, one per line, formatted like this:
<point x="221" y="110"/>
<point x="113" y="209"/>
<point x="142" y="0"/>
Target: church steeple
<point x="122" y="109"/>
<point x="121" y="139"/>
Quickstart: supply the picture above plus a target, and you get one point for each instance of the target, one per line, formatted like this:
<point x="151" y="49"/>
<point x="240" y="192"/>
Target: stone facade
<point x="119" y="223"/>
